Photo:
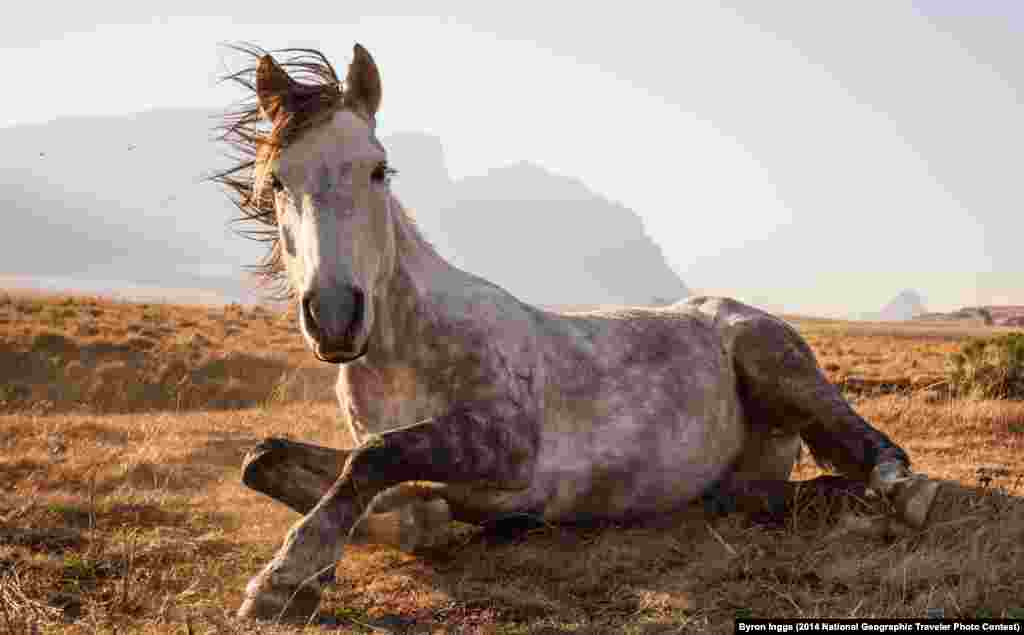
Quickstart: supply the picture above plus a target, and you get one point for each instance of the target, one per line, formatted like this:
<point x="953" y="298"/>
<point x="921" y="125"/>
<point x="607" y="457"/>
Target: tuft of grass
<point x="13" y="393"/>
<point x="81" y="568"/>
<point x="989" y="368"/>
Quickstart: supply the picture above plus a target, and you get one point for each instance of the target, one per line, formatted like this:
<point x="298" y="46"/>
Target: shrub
<point x="988" y="368"/>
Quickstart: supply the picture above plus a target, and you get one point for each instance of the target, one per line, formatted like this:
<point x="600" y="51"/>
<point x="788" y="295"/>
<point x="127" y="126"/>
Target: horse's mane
<point x="316" y="94"/>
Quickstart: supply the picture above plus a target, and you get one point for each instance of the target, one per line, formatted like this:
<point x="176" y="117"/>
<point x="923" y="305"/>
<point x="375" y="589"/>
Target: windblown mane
<point x="316" y="94"/>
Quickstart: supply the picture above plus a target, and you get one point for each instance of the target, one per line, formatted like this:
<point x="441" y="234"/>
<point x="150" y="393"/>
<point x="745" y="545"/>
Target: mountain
<point x="547" y="239"/>
<point x="904" y="306"/>
<point x="122" y="199"/>
<point x="907" y="305"/>
<point x="550" y="240"/>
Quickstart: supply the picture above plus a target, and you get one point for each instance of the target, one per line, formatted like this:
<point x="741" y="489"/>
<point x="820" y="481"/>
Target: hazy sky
<point x="816" y="156"/>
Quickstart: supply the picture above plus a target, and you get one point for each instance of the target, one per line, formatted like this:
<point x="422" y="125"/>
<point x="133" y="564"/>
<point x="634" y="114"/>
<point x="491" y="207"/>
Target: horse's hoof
<point x="914" y="500"/>
<point x="885" y="477"/>
<point x="280" y="604"/>
<point x="912" y="494"/>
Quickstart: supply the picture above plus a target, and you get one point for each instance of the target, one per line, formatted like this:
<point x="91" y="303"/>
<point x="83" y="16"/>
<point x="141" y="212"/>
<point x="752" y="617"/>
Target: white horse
<point x="470" y="404"/>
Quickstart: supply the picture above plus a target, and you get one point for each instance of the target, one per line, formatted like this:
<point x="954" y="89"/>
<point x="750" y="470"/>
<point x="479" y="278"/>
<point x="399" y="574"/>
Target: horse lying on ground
<point x="469" y="404"/>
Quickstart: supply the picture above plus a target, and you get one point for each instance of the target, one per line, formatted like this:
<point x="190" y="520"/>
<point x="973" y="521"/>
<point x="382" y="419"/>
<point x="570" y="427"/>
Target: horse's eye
<point x="382" y="172"/>
<point x="276" y="183"/>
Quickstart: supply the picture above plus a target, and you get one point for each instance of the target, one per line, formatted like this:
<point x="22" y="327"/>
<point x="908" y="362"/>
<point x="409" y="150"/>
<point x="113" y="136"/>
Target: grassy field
<point x="123" y="426"/>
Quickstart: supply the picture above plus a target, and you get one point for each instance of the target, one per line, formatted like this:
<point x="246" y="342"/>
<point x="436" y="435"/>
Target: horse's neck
<point x="425" y="301"/>
<point x="416" y="261"/>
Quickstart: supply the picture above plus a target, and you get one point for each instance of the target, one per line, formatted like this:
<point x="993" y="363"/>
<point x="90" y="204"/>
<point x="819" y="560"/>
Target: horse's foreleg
<point x="300" y="474"/>
<point x="495" y="447"/>
<point x="296" y="474"/>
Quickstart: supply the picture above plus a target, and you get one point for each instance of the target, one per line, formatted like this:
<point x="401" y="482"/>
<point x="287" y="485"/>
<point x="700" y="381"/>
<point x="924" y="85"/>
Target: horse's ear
<point x="273" y="88"/>
<point x="362" y="85"/>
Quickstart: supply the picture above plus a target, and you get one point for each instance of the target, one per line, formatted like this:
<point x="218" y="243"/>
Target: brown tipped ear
<point x="362" y="85"/>
<point x="273" y="88"/>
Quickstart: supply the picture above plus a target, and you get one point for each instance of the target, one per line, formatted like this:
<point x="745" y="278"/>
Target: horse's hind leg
<point x="773" y="500"/>
<point x="759" y="482"/>
<point x="781" y="385"/>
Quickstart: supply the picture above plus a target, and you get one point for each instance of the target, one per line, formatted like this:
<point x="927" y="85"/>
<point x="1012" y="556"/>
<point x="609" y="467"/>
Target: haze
<point x="813" y="157"/>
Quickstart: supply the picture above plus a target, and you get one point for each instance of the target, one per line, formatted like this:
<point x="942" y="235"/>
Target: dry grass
<point x="129" y="517"/>
<point x="874" y="357"/>
<point x="65" y="353"/>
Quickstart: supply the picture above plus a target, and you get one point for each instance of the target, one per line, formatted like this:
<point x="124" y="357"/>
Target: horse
<point x="468" y="404"/>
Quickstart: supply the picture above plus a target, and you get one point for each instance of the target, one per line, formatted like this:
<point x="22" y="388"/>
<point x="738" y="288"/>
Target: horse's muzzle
<point x="333" y="320"/>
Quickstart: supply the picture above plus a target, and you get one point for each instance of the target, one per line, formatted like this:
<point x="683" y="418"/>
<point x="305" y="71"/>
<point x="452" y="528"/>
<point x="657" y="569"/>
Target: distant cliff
<point x="548" y="239"/>
<point x="905" y="306"/>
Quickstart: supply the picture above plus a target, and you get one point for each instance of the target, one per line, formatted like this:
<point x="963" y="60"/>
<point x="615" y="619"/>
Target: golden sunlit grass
<point x="127" y="515"/>
<point x="68" y="353"/>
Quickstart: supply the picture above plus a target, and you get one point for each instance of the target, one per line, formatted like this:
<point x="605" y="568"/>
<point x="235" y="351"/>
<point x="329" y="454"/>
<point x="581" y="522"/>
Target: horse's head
<point x="331" y="199"/>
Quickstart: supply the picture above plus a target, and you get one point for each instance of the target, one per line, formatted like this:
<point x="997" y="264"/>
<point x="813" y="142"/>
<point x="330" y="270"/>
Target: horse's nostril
<point x="309" y="310"/>
<point x="358" y="310"/>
